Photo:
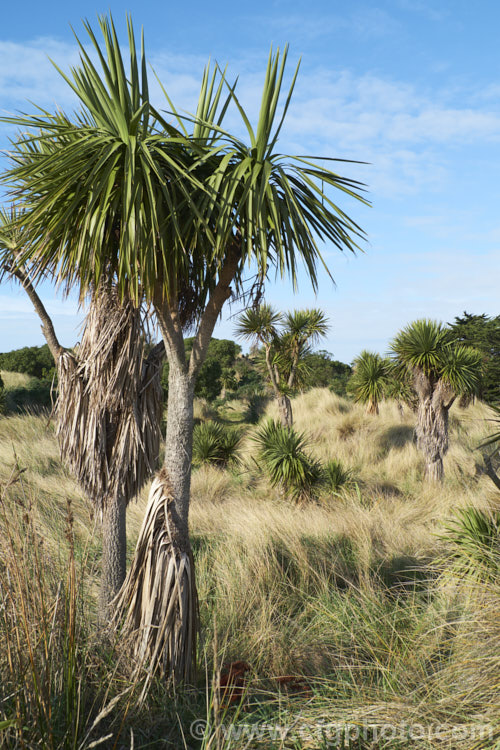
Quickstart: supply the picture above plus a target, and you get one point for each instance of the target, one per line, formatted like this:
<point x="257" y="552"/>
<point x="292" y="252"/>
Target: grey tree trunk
<point x="434" y="470"/>
<point x="179" y="441"/>
<point x="158" y="601"/>
<point x="114" y="553"/>
<point x="432" y="429"/>
<point x="285" y="410"/>
<point x="159" y="597"/>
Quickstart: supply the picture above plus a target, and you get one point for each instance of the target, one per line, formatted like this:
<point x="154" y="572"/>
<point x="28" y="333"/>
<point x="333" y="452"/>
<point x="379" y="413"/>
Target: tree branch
<point x="491" y="471"/>
<point x="293" y="370"/>
<point x="47" y="326"/>
<point x="220" y="294"/>
<point x="171" y="331"/>
<point x="273" y="374"/>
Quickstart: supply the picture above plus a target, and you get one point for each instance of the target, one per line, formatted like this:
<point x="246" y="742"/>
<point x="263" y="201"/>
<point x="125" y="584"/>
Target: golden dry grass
<point x="308" y="588"/>
<point x="14" y="379"/>
<point x="392" y="507"/>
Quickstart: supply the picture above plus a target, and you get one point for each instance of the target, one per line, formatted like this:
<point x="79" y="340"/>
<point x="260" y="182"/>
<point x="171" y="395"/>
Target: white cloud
<point x="402" y="130"/>
<point x="365" y="22"/>
<point x="26" y="73"/>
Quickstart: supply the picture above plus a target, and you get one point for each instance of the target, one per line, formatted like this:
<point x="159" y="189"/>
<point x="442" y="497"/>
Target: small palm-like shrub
<point x="216" y="444"/>
<point x="256" y="404"/>
<point x="369" y="380"/>
<point x="336" y="477"/>
<point x="474" y="536"/>
<point x="282" y="451"/>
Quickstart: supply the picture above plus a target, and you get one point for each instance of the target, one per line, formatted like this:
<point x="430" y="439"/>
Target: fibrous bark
<point x="285" y="410"/>
<point x="159" y="593"/>
<point x="283" y="401"/>
<point x="435" y="400"/>
<point x="158" y="600"/>
<point x="108" y="414"/>
<point x="108" y="421"/>
<point x="158" y="603"/>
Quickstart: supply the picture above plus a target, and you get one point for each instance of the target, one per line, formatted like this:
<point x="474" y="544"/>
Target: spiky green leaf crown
<point x="429" y="347"/>
<point x="118" y="187"/>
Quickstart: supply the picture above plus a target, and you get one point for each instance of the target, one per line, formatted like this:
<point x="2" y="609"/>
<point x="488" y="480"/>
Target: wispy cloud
<point x="27" y="74"/>
<point x="427" y="10"/>
<point x="366" y="21"/>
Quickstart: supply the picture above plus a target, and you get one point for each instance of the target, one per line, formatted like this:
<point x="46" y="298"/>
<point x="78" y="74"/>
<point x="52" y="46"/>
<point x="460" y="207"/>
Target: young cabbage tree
<point x="286" y="340"/>
<point x="369" y="380"/>
<point x="440" y="370"/>
<point x="177" y="214"/>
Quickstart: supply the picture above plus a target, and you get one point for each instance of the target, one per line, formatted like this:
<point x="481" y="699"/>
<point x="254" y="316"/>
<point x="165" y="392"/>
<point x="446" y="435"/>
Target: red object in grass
<point x="295" y="684"/>
<point x="232" y="683"/>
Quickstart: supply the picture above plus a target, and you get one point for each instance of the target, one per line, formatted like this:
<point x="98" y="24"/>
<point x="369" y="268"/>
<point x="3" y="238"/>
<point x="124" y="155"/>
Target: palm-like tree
<point x="369" y="380"/>
<point x="286" y="339"/>
<point x="176" y="217"/>
<point x="109" y="404"/>
<point x="440" y="370"/>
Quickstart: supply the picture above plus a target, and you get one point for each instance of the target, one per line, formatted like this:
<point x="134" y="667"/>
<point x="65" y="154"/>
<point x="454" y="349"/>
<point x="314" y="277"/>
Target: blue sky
<point x="410" y="86"/>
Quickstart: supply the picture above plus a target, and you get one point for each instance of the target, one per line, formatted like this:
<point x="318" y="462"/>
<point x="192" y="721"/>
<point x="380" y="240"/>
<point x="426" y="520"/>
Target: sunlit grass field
<point x="355" y="593"/>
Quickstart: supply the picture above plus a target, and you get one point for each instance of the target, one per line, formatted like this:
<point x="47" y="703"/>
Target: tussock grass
<point x="356" y="592"/>
<point x="15" y="379"/>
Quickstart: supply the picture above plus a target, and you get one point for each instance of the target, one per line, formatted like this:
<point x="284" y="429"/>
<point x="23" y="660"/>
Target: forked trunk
<point x="158" y="598"/>
<point x="114" y="552"/>
<point x="158" y="601"/>
<point x="285" y="410"/>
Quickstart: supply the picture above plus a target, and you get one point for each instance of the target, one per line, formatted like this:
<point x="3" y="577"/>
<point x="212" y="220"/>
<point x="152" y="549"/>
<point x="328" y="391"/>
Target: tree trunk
<point x="114" y="553"/>
<point x="158" y="597"/>
<point x="179" y="440"/>
<point x="432" y="431"/>
<point x="285" y="410"/>
<point x="434" y="470"/>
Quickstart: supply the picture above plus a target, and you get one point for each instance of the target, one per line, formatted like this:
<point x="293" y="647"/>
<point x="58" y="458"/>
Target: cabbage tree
<point x="180" y="212"/>
<point x="440" y="369"/>
<point x="369" y="380"/>
<point x="108" y="406"/>
<point x="286" y="339"/>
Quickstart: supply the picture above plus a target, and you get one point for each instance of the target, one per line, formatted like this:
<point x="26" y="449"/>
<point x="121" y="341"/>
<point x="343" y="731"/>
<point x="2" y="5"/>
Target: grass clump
<point x="216" y="444"/>
<point x="473" y="537"/>
<point x="337" y="477"/>
<point x="282" y="451"/>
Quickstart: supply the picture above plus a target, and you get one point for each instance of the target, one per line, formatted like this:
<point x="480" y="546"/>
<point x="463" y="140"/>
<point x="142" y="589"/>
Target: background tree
<point x="177" y="217"/>
<point x="482" y="333"/>
<point x="440" y="370"/>
<point x="285" y="347"/>
<point x="36" y="361"/>
<point x="322" y="371"/>
<point x="369" y="380"/>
